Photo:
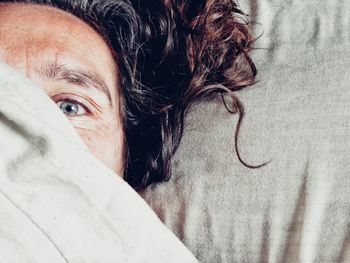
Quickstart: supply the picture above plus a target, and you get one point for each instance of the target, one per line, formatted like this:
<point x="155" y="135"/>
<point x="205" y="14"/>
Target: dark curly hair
<point x="170" y="55"/>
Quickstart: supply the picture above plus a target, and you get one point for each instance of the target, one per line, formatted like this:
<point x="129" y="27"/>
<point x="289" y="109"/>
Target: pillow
<point x="296" y="208"/>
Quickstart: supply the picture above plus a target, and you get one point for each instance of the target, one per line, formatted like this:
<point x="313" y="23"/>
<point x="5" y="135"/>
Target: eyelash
<point x="69" y="99"/>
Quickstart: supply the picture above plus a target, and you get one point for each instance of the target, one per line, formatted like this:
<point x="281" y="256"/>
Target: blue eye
<point x="71" y="107"/>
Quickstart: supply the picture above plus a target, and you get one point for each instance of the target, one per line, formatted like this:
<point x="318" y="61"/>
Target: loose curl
<point x="170" y="55"/>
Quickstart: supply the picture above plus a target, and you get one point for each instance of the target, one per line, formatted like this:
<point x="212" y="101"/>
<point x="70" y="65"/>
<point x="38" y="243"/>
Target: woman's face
<point x="74" y="66"/>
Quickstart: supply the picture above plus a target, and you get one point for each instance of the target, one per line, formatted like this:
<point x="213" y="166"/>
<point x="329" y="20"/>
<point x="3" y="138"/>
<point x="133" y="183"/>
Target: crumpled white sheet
<point x="297" y="208"/>
<point x="60" y="204"/>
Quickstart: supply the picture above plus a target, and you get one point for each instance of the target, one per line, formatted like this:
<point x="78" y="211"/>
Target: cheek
<point x="106" y="144"/>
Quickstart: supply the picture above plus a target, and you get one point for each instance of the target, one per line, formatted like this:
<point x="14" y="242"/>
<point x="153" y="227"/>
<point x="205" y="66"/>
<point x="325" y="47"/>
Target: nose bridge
<point x="28" y="60"/>
<point x="17" y="56"/>
<point x="24" y="56"/>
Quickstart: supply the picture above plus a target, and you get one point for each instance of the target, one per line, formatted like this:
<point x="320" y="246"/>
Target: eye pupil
<point x="69" y="108"/>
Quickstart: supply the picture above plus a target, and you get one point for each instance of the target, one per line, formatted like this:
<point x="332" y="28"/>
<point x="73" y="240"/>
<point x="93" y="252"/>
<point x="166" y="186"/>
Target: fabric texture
<point x="296" y="208"/>
<point x="60" y="204"/>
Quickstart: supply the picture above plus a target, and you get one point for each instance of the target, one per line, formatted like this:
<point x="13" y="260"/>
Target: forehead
<point x="44" y="23"/>
<point x="31" y="33"/>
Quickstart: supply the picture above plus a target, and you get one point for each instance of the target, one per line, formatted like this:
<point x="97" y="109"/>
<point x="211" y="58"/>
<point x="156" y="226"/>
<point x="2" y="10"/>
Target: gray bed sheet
<point x="297" y="208"/>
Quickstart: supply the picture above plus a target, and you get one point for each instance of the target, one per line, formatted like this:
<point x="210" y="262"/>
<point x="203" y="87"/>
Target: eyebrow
<point x="77" y="76"/>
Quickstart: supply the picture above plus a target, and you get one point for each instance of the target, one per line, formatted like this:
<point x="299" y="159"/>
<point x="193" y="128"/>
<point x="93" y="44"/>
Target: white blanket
<point x="57" y="202"/>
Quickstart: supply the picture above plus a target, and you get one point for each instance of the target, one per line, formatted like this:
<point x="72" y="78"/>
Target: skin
<point x="72" y="63"/>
